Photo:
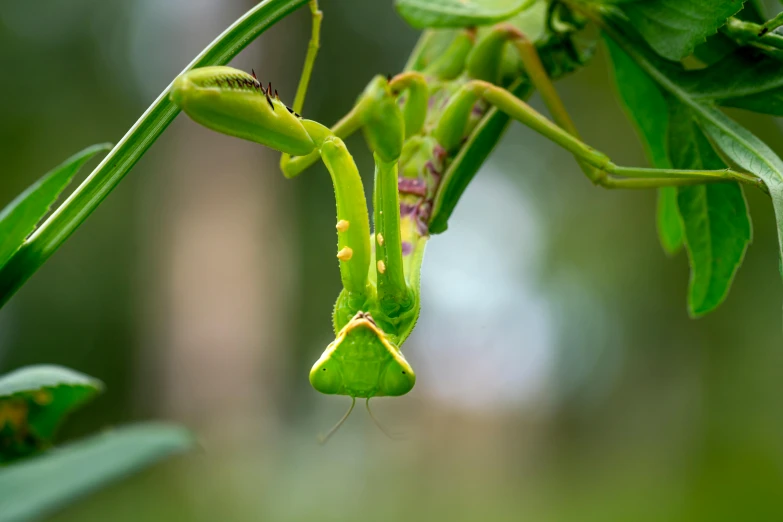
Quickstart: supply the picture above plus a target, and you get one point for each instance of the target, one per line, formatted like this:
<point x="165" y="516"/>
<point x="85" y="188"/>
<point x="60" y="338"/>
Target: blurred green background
<point x="559" y="377"/>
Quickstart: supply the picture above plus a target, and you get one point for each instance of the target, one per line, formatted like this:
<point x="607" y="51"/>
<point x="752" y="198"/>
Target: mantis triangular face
<point x="362" y="362"/>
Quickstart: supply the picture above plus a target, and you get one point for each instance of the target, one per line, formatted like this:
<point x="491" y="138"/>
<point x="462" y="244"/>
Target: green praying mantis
<point x="429" y="128"/>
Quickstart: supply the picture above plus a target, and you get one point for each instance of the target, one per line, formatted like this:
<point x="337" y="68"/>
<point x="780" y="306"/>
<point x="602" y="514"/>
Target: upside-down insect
<point x="430" y="128"/>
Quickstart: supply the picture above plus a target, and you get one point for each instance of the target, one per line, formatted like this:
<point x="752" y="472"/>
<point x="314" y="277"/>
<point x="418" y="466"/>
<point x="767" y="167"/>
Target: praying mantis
<point x="429" y="128"/>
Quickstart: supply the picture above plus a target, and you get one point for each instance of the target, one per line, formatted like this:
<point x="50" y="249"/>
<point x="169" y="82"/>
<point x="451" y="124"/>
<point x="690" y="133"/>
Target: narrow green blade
<point x="20" y="217"/>
<point x="39" y="486"/>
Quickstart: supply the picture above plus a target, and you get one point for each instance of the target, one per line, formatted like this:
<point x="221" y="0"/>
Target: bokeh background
<point x="559" y="376"/>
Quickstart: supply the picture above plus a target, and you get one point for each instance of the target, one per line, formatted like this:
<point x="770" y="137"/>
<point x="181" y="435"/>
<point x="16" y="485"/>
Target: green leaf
<point x="674" y="27"/>
<point x="668" y="221"/>
<point x="33" y="403"/>
<point x="750" y="153"/>
<point x="745" y="79"/>
<point x="719" y="45"/>
<point x="424" y="14"/>
<point x="20" y="217"/>
<point x="647" y="109"/>
<point x="35" y="378"/>
<point x="38" y="487"/>
<point x="736" y="142"/>
<point x="715" y="216"/>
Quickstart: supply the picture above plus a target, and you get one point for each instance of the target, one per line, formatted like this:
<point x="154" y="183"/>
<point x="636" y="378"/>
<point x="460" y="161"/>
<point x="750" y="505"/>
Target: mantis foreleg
<point x="385" y="128"/>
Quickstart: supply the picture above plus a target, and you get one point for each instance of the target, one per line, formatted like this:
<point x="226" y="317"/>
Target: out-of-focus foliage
<point x="33" y="403"/>
<point x="425" y="14"/>
<point x="39" y="486"/>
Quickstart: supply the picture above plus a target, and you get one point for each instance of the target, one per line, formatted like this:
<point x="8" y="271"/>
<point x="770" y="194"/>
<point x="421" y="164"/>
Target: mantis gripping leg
<point x="483" y="64"/>
<point x="235" y="103"/>
<point x="450" y="130"/>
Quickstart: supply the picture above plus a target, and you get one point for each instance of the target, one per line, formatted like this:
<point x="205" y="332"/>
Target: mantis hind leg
<point x="451" y="127"/>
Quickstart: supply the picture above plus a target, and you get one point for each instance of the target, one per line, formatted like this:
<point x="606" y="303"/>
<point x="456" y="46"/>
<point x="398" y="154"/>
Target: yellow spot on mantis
<point x="343" y="225"/>
<point x="345" y="254"/>
<point x="381" y="267"/>
<point x="379" y="237"/>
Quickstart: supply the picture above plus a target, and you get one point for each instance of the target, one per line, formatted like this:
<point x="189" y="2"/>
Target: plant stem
<point x="86" y="198"/>
<point x="312" y="52"/>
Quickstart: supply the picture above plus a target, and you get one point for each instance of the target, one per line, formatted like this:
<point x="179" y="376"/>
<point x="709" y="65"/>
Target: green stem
<point x="86" y="198"/>
<point x="312" y="52"/>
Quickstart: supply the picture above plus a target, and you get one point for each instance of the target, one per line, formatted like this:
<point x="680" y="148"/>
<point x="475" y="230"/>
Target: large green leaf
<point x="715" y="216"/>
<point x="735" y="141"/>
<point x="719" y="45"/>
<point x="20" y="217"/>
<point x="423" y="14"/>
<point x="41" y="485"/>
<point x="746" y="79"/>
<point x="674" y="27"/>
<point x="647" y="109"/>
<point x="750" y="153"/>
<point x="34" y="401"/>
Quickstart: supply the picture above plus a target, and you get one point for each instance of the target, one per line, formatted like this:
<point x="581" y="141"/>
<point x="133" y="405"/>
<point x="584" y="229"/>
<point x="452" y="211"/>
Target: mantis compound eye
<point x="397" y="379"/>
<point x="326" y="376"/>
<point x="233" y="102"/>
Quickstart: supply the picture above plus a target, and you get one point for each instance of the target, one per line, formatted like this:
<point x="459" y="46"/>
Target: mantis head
<point x="233" y="102"/>
<point x="362" y="362"/>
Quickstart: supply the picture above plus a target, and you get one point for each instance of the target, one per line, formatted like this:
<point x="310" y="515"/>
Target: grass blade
<point x="19" y="218"/>
<point x="86" y="198"/>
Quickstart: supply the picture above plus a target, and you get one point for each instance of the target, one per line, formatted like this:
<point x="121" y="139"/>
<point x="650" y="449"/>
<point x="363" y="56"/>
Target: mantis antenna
<point x="324" y="438"/>
<point x="380" y="426"/>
